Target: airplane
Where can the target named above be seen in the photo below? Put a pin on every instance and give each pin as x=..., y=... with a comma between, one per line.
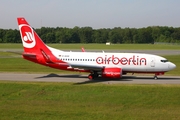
x=105, y=65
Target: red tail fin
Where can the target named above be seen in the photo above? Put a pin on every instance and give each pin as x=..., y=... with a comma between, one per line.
x=31, y=41
x=34, y=48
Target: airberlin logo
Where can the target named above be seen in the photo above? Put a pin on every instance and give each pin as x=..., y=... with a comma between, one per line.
x=27, y=36
x=133, y=60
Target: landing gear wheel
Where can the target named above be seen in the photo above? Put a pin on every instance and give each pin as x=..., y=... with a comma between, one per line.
x=155, y=77
x=93, y=75
x=90, y=76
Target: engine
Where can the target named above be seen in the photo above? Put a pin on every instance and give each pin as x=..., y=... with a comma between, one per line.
x=112, y=73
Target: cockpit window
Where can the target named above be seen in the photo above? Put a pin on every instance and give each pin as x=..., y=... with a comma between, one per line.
x=164, y=61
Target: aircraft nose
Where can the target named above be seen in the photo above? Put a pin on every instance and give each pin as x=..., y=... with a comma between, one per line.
x=171, y=66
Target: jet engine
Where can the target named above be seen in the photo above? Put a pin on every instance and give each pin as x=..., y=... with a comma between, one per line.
x=112, y=73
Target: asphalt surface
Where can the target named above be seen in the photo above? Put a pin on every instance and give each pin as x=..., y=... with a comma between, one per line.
x=82, y=79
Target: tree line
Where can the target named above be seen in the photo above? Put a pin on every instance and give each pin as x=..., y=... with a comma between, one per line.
x=89, y=35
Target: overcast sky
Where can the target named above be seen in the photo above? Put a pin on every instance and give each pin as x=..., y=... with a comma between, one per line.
x=93, y=13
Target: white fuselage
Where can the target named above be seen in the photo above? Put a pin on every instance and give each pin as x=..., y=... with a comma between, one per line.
x=129, y=62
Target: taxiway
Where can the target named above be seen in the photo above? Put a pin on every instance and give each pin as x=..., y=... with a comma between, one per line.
x=82, y=79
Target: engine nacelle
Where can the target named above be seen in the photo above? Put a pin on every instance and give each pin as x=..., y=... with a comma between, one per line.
x=112, y=73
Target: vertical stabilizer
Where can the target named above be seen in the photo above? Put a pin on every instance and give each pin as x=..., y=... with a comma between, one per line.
x=34, y=48
x=32, y=43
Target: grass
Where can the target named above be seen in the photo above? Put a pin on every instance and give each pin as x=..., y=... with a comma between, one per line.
x=101, y=46
x=32, y=100
x=21, y=65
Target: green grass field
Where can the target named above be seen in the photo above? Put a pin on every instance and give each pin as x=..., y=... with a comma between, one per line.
x=101, y=46
x=54, y=101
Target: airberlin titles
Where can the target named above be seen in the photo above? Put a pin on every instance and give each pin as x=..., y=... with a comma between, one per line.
x=134, y=60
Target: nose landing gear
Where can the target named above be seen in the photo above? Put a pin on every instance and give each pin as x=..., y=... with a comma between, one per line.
x=155, y=77
x=158, y=73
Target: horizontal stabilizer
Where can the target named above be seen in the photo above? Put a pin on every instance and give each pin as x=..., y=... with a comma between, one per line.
x=29, y=55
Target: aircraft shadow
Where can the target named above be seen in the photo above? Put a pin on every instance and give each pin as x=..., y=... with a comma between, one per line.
x=99, y=79
x=127, y=78
x=152, y=78
x=56, y=75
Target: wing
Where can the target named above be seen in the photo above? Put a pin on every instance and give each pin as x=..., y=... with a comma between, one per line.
x=90, y=67
x=87, y=67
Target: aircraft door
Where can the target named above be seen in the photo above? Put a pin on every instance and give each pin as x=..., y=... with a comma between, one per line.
x=152, y=62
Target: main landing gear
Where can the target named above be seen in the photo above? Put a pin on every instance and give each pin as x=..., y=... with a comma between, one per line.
x=93, y=75
x=90, y=76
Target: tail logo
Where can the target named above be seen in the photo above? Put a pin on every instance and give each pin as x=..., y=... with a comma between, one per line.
x=27, y=35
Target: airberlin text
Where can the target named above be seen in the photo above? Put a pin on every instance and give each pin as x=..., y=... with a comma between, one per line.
x=134, y=60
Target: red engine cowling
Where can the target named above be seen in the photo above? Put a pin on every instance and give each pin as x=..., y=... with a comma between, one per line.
x=112, y=73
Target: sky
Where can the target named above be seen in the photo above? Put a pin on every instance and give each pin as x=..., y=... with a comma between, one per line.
x=93, y=13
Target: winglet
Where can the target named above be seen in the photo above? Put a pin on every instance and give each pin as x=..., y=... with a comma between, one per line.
x=83, y=50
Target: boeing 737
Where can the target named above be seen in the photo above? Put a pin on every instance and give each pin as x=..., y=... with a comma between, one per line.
x=106, y=65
